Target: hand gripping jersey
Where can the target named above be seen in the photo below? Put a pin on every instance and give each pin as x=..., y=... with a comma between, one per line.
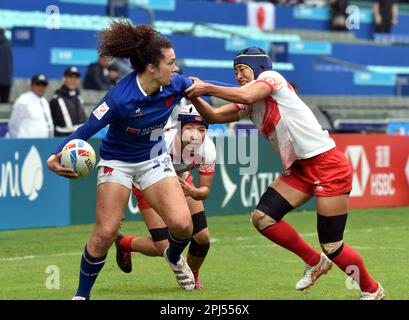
x=203, y=157
x=285, y=120
x=136, y=120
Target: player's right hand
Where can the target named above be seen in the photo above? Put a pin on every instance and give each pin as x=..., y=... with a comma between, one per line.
x=197, y=89
x=53, y=163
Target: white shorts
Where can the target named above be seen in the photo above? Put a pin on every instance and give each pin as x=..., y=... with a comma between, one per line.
x=142, y=174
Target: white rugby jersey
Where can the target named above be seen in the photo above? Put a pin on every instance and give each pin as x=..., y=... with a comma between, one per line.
x=203, y=157
x=285, y=120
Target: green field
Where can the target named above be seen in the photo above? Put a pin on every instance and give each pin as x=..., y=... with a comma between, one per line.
x=241, y=264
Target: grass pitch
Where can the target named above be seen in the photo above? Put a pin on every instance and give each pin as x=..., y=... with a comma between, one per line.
x=241, y=264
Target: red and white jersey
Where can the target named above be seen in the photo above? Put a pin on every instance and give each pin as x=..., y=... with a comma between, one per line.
x=285, y=120
x=202, y=157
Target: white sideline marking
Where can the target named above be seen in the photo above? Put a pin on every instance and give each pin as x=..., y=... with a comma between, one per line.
x=40, y=256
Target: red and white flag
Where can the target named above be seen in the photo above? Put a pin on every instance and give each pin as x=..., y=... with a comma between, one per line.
x=261, y=15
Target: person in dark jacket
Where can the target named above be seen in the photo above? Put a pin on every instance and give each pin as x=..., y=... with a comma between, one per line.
x=385, y=15
x=66, y=106
x=97, y=77
x=6, y=67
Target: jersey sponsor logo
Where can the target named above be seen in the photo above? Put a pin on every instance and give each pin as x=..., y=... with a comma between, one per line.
x=133, y=130
x=100, y=111
x=360, y=167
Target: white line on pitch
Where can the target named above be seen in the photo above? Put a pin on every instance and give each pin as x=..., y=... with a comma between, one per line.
x=40, y=256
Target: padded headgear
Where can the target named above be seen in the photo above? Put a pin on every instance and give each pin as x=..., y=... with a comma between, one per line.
x=189, y=114
x=254, y=58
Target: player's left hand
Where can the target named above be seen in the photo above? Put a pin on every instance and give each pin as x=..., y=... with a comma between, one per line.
x=197, y=89
x=53, y=163
x=188, y=190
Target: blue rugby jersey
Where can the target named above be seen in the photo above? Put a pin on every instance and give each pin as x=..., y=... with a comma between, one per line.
x=132, y=116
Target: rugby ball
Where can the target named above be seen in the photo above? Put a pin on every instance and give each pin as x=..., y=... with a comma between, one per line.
x=78, y=155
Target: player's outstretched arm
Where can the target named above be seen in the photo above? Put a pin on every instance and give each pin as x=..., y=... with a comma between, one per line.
x=53, y=163
x=245, y=95
x=224, y=114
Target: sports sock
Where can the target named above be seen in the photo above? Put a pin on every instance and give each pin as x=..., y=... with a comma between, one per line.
x=348, y=257
x=285, y=236
x=89, y=270
x=176, y=247
x=126, y=243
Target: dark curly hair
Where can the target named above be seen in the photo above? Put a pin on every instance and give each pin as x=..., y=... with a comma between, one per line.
x=142, y=44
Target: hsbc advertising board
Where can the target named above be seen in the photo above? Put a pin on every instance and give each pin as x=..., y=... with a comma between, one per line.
x=380, y=165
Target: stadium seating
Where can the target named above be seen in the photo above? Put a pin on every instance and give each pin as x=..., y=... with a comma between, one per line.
x=205, y=38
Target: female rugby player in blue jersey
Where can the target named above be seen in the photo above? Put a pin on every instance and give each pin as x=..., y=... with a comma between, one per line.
x=190, y=148
x=137, y=109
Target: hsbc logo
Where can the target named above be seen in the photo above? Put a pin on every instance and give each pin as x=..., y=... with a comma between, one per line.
x=361, y=170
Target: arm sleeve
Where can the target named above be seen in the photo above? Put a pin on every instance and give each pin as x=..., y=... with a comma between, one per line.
x=242, y=110
x=181, y=83
x=56, y=114
x=273, y=79
x=106, y=112
x=207, y=168
x=16, y=119
x=218, y=83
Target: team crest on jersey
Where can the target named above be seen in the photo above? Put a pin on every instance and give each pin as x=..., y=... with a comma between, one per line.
x=138, y=112
x=169, y=101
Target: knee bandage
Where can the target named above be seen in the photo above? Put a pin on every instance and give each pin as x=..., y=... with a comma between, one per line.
x=198, y=250
x=159, y=234
x=271, y=209
x=199, y=222
x=331, y=233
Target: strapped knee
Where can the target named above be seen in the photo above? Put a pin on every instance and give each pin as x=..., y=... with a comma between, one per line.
x=199, y=222
x=271, y=209
x=159, y=234
x=198, y=250
x=331, y=234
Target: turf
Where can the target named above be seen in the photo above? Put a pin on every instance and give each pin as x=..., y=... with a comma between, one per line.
x=241, y=264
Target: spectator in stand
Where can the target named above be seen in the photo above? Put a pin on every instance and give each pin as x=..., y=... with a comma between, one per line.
x=97, y=77
x=338, y=14
x=124, y=67
x=6, y=67
x=113, y=74
x=66, y=106
x=385, y=15
x=31, y=116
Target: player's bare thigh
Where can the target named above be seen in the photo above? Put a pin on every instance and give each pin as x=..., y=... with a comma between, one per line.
x=295, y=197
x=168, y=200
x=152, y=219
x=194, y=205
x=332, y=206
x=112, y=199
